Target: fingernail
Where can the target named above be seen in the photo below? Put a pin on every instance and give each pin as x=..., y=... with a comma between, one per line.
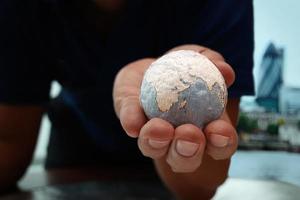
x=132, y=134
x=156, y=144
x=219, y=140
x=186, y=148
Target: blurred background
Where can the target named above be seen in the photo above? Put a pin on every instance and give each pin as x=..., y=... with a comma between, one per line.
x=269, y=124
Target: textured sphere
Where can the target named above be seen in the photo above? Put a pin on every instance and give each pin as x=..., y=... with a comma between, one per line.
x=183, y=87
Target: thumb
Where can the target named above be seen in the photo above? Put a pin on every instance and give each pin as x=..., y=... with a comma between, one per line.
x=126, y=92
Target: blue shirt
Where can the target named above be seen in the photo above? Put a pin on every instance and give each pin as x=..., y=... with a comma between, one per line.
x=83, y=47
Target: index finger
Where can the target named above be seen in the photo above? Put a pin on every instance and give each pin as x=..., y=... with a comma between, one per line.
x=218, y=60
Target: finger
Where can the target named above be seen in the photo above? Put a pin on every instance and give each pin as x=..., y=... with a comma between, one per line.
x=155, y=137
x=211, y=54
x=225, y=69
x=132, y=116
x=221, y=139
x=187, y=148
x=126, y=96
x=128, y=81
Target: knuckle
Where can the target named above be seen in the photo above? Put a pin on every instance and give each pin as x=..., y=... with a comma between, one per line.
x=220, y=153
x=147, y=151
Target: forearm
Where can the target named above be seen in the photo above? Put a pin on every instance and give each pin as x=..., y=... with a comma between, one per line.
x=11, y=169
x=19, y=127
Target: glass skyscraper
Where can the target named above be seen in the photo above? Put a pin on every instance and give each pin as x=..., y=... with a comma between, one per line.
x=269, y=78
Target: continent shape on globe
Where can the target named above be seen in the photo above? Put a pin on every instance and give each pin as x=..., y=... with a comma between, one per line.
x=183, y=87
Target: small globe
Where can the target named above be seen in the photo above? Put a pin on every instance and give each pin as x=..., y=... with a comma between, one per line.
x=183, y=87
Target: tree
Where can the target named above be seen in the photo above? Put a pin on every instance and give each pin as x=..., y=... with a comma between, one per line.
x=246, y=124
x=273, y=129
x=242, y=123
x=281, y=121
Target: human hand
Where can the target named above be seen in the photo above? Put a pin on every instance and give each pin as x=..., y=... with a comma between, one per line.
x=182, y=147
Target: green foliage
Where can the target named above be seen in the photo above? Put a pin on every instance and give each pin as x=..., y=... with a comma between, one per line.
x=298, y=124
x=273, y=129
x=246, y=124
x=242, y=123
x=281, y=121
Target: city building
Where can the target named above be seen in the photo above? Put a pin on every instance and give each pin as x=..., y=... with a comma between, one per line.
x=289, y=101
x=269, y=78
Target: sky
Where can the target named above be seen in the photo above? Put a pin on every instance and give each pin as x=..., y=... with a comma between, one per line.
x=279, y=21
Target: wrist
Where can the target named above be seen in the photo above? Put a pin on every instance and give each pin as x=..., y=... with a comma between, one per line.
x=201, y=184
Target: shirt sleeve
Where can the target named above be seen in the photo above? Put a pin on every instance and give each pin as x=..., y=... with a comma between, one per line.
x=235, y=41
x=24, y=78
x=224, y=26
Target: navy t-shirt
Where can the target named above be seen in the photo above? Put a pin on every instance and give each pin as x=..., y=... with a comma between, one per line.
x=82, y=47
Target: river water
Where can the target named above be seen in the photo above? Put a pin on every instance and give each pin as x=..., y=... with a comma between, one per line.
x=266, y=165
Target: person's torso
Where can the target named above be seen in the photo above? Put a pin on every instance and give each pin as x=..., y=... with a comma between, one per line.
x=88, y=47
